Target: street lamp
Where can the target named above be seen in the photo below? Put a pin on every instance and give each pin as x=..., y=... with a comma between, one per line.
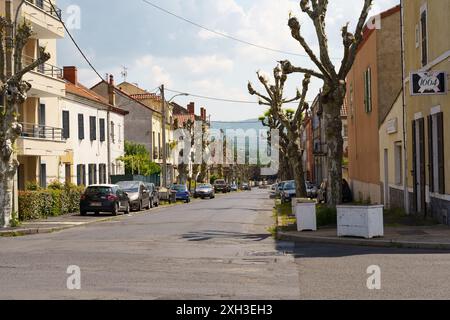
x=163, y=101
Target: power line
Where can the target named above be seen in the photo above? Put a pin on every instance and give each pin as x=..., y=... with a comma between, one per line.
x=74, y=42
x=224, y=34
x=219, y=99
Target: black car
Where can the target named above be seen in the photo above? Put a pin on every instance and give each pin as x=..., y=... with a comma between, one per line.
x=138, y=194
x=246, y=187
x=104, y=198
x=204, y=191
x=221, y=185
x=154, y=194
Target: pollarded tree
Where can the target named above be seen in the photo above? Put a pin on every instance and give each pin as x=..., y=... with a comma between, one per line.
x=334, y=88
x=293, y=125
x=14, y=90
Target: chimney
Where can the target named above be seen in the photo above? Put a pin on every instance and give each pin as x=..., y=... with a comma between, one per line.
x=71, y=74
x=191, y=108
x=111, y=91
x=203, y=114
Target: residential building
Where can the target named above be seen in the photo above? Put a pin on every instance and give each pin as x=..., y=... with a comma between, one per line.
x=93, y=130
x=391, y=151
x=154, y=102
x=426, y=37
x=373, y=84
x=41, y=146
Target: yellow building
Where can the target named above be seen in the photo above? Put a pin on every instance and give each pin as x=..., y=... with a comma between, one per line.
x=42, y=146
x=427, y=66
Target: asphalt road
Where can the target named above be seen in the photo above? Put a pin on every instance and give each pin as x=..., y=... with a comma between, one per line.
x=209, y=249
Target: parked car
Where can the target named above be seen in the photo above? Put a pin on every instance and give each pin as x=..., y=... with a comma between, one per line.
x=104, y=198
x=273, y=191
x=165, y=194
x=347, y=195
x=204, y=191
x=234, y=187
x=221, y=185
x=289, y=191
x=154, y=194
x=311, y=190
x=182, y=194
x=138, y=193
x=246, y=187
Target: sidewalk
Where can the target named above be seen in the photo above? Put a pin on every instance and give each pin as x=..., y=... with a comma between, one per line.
x=53, y=224
x=430, y=237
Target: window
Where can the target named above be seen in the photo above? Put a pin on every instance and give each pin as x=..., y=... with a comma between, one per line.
x=65, y=125
x=80, y=127
x=436, y=153
x=43, y=175
x=102, y=130
x=368, y=90
x=398, y=154
x=424, y=34
x=119, y=135
x=102, y=173
x=93, y=128
x=81, y=175
x=92, y=174
x=113, y=140
x=159, y=146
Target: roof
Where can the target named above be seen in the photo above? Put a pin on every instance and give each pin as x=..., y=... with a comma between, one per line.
x=183, y=118
x=82, y=91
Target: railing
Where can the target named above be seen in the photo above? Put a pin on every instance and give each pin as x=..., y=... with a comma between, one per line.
x=47, y=7
x=45, y=68
x=35, y=131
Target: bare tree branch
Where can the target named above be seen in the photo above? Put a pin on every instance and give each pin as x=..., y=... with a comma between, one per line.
x=3, y=24
x=301, y=107
x=288, y=68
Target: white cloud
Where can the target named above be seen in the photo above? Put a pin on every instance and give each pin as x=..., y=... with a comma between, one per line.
x=208, y=64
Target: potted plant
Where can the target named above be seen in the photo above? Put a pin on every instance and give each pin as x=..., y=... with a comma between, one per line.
x=305, y=212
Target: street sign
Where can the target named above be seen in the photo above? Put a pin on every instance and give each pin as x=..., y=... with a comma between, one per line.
x=428, y=83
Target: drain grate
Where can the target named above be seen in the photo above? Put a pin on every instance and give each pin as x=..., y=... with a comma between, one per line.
x=267, y=254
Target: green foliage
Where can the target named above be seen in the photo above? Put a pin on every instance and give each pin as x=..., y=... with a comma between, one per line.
x=326, y=216
x=32, y=186
x=51, y=202
x=213, y=179
x=56, y=185
x=137, y=160
x=14, y=223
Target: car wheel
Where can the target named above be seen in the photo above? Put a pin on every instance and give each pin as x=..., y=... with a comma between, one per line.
x=140, y=206
x=116, y=209
x=97, y=213
x=127, y=210
x=83, y=213
x=150, y=204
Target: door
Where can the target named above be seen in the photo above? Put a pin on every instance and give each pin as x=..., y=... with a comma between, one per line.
x=41, y=120
x=419, y=166
x=68, y=174
x=386, y=178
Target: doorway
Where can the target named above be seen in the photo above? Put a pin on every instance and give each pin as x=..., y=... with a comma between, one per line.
x=419, y=201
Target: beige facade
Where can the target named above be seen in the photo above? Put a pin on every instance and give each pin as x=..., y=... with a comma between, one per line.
x=41, y=146
x=427, y=48
x=392, y=156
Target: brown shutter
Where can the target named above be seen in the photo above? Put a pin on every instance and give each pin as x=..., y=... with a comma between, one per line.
x=430, y=153
x=414, y=166
x=440, y=137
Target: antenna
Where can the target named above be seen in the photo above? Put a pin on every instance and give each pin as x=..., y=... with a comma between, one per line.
x=124, y=73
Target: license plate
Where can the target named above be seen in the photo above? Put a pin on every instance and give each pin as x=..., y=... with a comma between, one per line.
x=96, y=204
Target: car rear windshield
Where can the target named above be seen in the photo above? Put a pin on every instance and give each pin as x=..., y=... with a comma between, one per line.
x=204, y=186
x=179, y=188
x=129, y=186
x=289, y=186
x=98, y=190
x=220, y=182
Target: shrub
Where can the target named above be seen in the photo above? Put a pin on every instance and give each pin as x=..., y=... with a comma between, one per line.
x=326, y=216
x=52, y=202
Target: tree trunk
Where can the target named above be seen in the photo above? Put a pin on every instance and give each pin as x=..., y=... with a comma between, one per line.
x=332, y=104
x=6, y=198
x=295, y=157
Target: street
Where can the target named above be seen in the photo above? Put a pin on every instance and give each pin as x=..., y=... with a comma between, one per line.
x=209, y=249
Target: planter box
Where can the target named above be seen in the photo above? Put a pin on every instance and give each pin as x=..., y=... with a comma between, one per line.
x=360, y=221
x=305, y=212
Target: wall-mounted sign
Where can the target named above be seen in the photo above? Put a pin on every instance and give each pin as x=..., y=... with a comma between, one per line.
x=392, y=126
x=428, y=83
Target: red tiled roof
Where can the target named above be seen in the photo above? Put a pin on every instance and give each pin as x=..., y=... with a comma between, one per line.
x=82, y=91
x=183, y=118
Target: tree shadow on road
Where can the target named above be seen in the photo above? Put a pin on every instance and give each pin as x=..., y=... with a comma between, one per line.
x=216, y=234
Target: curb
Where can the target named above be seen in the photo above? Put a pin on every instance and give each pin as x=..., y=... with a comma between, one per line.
x=363, y=242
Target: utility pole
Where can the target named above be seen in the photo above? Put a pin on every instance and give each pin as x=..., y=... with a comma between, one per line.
x=164, y=166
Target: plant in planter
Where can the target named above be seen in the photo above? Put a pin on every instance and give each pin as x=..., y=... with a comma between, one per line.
x=364, y=221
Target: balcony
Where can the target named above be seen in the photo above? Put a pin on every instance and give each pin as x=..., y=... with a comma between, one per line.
x=37, y=140
x=46, y=80
x=43, y=18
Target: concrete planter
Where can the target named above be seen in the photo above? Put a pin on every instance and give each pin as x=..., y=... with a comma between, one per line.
x=305, y=212
x=360, y=221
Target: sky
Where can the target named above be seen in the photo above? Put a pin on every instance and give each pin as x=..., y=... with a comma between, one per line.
x=157, y=48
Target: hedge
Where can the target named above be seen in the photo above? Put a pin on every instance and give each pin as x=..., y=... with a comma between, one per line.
x=49, y=203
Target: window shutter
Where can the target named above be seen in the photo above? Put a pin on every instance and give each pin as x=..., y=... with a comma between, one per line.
x=93, y=128
x=430, y=154
x=66, y=125
x=80, y=127
x=102, y=130
x=421, y=123
x=423, y=23
x=440, y=137
x=369, y=90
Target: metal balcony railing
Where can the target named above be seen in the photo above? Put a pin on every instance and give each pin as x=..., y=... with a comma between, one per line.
x=35, y=131
x=46, y=6
x=45, y=68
